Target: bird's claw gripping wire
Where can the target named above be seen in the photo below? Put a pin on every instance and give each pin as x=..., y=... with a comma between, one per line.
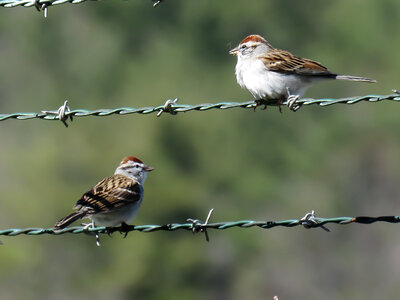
x=198, y=226
x=124, y=229
x=260, y=102
x=264, y=102
x=168, y=107
x=309, y=221
x=61, y=113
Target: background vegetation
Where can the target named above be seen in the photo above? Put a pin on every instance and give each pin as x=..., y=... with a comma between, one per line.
x=339, y=161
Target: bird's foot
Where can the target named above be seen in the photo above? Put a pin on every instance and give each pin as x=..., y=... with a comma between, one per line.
x=260, y=102
x=279, y=103
x=124, y=229
x=109, y=231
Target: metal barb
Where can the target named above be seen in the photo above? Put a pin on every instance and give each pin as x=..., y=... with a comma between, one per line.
x=42, y=6
x=291, y=101
x=96, y=234
x=168, y=107
x=61, y=113
x=309, y=220
x=197, y=226
x=37, y=5
x=156, y=2
x=45, y=9
x=97, y=239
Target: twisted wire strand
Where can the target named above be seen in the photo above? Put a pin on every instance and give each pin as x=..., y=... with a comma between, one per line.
x=174, y=108
x=28, y=3
x=198, y=226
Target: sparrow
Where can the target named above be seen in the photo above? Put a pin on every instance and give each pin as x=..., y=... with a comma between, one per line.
x=269, y=73
x=115, y=200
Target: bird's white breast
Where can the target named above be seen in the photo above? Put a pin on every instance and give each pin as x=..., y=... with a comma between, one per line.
x=117, y=216
x=252, y=74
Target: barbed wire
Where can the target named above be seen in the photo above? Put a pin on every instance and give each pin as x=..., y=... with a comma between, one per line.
x=47, y=3
x=43, y=5
x=194, y=225
x=173, y=108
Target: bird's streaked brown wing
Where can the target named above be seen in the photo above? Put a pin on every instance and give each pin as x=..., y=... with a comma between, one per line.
x=285, y=62
x=112, y=192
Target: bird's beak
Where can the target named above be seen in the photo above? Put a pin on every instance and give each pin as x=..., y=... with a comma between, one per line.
x=234, y=51
x=148, y=168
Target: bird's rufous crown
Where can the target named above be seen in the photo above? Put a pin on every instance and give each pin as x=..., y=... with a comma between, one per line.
x=254, y=38
x=131, y=158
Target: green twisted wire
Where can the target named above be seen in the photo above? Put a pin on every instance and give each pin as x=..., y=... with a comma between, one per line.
x=175, y=108
x=197, y=226
x=28, y=3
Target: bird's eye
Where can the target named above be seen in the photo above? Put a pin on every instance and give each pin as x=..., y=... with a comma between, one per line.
x=243, y=46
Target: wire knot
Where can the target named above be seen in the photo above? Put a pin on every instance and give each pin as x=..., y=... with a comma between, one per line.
x=198, y=226
x=61, y=113
x=309, y=221
x=168, y=107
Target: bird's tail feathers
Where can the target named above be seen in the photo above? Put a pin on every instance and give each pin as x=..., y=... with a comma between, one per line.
x=354, y=78
x=64, y=222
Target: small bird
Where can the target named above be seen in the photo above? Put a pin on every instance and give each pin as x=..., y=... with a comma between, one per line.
x=269, y=73
x=115, y=200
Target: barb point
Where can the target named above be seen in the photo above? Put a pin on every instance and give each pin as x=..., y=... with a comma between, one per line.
x=156, y=2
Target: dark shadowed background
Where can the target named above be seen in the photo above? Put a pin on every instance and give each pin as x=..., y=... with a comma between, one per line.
x=338, y=160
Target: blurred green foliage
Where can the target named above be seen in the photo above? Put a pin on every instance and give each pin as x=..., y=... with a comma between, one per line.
x=338, y=160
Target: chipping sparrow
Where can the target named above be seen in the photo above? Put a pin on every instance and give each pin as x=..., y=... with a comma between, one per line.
x=270, y=73
x=115, y=200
